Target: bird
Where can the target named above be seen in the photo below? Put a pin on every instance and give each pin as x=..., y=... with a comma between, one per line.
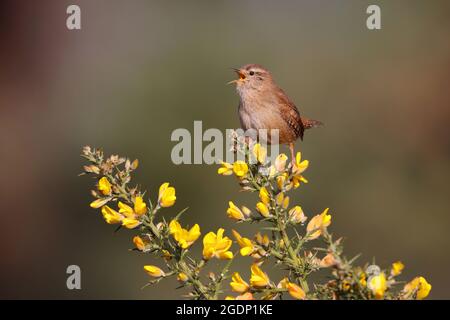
x=264, y=105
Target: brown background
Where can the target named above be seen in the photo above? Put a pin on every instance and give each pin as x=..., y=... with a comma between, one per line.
x=140, y=69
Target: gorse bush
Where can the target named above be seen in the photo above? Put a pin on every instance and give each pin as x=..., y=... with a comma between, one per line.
x=288, y=237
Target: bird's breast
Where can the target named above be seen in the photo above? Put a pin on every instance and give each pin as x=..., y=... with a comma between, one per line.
x=263, y=114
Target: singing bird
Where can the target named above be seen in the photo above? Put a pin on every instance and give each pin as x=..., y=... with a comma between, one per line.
x=264, y=105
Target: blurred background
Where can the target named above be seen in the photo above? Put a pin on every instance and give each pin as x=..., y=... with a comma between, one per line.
x=140, y=69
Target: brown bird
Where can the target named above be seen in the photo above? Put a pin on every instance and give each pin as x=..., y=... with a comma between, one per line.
x=264, y=105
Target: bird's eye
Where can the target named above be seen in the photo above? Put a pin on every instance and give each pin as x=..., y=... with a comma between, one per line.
x=252, y=73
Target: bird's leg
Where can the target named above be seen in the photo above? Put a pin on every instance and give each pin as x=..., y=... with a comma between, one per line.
x=291, y=147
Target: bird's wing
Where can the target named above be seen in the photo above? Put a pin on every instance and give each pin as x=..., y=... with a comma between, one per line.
x=290, y=113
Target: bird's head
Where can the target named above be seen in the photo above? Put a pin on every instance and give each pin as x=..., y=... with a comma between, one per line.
x=251, y=77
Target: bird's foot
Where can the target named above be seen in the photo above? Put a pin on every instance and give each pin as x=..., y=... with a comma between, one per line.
x=291, y=148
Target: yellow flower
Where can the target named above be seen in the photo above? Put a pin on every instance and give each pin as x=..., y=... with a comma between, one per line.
x=397, y=268
x=175, y=227
x=279, y=198
x=346, y=285
x=328, y=261
x=285, y=203
x=296, y=215
x=262, y=209
x=282, y=200
x=264, y=196
x=135, y=164
x=378, y=285
x=226, y=169
x=258, y=278
x=299, y=165
x=240, y=169
x=317, y=224
x=362, y=279
x=99, y=203
x=140, y=207
x=295, y=291
x=283, y=283
x=111, y=216
x=216, y=245
x=130, y=223
x=280, y=162
x=104, y=186
x=126, y=210
x=184, y=237
x=182, y=277
x=297, y=180
x=281, y=180
x=262, y=240
x=245, y=296
x=246, y=244
x=234, y=212
x=246, y=211
x=139, y=243
x=238, y=284
x=260, y=153
x=166, y=196
x=419, y=286
x=131, y=217
x=298, y=168
x=154, y=271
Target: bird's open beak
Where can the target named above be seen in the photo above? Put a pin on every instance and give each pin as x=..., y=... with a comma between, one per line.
x=240, y=74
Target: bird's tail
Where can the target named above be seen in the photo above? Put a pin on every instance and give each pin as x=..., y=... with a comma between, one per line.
x=309, y=123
